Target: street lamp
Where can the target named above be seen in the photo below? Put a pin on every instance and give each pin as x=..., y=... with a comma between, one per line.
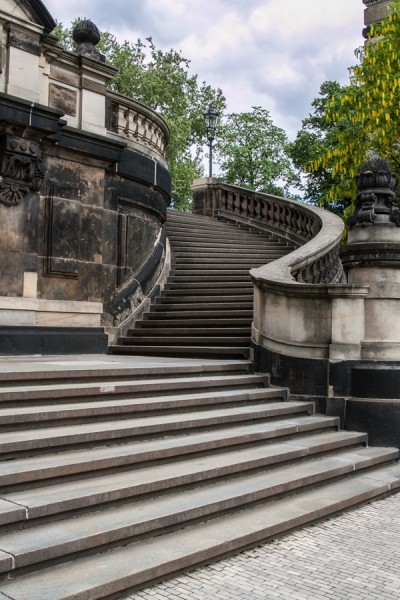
x=210, y=119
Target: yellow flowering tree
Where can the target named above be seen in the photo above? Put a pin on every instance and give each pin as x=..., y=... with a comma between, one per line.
x=367, y=115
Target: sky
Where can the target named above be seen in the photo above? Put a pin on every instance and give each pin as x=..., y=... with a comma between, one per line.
x=269, y=53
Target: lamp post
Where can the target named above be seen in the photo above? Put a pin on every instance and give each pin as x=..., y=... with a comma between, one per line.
x=210, y=119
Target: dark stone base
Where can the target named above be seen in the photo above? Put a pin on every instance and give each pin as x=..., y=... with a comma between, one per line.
x=307, y=379
x=379, y=418
x=17, y=341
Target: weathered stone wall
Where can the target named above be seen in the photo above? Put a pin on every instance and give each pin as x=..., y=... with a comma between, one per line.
x=84, y=184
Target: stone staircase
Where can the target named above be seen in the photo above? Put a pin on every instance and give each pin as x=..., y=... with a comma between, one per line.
x=114, y=477
x=206, y=308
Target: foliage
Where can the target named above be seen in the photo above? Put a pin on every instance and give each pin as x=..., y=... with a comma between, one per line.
x=367, y=115
x=317, y=137
x=251, y=152
x=162, y=80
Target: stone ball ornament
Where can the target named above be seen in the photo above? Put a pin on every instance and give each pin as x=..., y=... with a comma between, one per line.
x=87, y=35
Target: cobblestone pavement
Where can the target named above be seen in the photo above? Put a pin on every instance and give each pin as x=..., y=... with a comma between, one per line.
x=354, y=556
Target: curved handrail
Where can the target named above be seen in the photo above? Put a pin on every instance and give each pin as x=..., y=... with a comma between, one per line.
x=317, y=231
x=317, y=261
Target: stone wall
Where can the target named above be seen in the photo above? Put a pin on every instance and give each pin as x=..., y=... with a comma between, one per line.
x=84, y=183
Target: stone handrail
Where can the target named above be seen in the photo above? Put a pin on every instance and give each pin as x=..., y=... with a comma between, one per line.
x=316, y=231
x=136, y=122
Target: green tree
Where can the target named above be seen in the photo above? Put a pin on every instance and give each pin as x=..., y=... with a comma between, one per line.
x=317, y=137
x=252, y=152
x=162, y=80
x=367, y=116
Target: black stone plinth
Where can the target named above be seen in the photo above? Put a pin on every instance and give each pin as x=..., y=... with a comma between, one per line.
x=379, y=418
x=18, y=341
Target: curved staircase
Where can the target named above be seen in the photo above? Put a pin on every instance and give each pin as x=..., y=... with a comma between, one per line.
x=115, y=475
x=206, y=308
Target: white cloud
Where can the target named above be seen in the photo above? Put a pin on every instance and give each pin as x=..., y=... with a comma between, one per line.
x=266, y=53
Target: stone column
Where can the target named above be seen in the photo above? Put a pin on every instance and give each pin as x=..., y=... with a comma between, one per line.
x=372, y=258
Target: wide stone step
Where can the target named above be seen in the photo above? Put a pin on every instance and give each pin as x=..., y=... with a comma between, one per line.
x=94, y=390
x=183, y=352
x=70, y=463
x=178, y=330
x=17, y=415
x=79, y=374
x=239, y=253
x=238, y=299
x=212, y=271
x=210, y=286
x=162, y=312
x=192, y=323
x=221, y=246
x=76, y=494
x=165, y=424
x=187, y=340
x=215, y=305
x=51, y=541
x=132, y=566
x=182, y=292
x=228, y=260
x=206, y=278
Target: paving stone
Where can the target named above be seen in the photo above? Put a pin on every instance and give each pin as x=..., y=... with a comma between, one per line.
x=354, y=556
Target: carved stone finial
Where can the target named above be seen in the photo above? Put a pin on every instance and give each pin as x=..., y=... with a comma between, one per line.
x=86, y=35
x=376, y=199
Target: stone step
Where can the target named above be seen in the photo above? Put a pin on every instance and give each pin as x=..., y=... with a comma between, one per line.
x=71, y=536
x=221, y=246
x=59, y=497
x=158, y=311
x=59, y=391
x=114, y=372
x=238, y=299
x=186, y=340
x=17, y=415
x=218, y=271
x=26, y=440
x=132, y=566
x=206, y=278
x=200, y=292
x=192, y=323
x=307, y=440
x=201, y=306
x=210, y=253
x=228, y=260
x=210, y=286
x=178, y=330
x=182, y=352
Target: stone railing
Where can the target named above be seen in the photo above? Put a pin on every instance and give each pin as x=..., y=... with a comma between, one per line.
x=304, y=312
x=137, y=123
x=317, y=262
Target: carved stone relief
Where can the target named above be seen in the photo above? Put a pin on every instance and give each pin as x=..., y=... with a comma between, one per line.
x=21, y=169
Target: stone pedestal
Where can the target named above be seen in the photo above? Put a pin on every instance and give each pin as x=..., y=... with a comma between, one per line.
x=372, y=258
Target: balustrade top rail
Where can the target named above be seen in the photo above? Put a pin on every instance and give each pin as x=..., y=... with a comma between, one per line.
x=137, y=122
x=318, y=232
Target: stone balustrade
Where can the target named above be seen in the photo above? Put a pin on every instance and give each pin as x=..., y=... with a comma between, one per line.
x=137, y=123
x=300, y=223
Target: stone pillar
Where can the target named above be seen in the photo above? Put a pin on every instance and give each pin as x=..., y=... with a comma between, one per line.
x=372, y=258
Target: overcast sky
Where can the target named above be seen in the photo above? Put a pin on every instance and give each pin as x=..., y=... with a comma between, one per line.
x=269, y=53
